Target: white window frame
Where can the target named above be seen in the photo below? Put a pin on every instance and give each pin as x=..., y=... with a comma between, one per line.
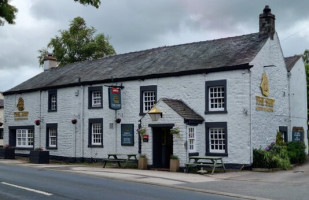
x=216, y=98
x=191, y=130
x=96, y=133
x=53, y=102
x=52, y=134
x=149, y=99
x=217, y=139
x=26, y=137
x=96, y=97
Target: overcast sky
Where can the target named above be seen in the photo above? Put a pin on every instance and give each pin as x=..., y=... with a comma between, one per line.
x=142, y=24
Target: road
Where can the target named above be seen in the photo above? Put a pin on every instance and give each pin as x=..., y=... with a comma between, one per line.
x=19, y=182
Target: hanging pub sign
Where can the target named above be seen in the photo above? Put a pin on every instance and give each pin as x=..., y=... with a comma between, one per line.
x=298, y=134
x=114, y=94
x=127, y=134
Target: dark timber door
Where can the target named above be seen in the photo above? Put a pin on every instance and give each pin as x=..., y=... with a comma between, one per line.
x=162, y=147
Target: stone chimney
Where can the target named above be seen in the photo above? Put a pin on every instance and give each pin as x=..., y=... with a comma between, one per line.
x=50, y=62
x=267, y=22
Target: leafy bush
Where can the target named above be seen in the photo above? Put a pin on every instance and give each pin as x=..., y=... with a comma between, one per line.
x=279, y=139
x=296, y=152
x=273, y=156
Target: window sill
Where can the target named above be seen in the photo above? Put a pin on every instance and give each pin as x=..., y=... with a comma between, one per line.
x=96, y=107
x=216, y=154
x=52, y=110
x=194, y=153
x=95, y=146
x=24, y=148
x=215, y=112
x=51, y=148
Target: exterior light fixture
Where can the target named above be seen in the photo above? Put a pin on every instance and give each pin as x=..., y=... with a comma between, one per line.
x=154, y=113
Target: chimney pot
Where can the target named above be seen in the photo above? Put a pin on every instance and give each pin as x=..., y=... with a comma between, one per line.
x=267, y=22
x=50, y=62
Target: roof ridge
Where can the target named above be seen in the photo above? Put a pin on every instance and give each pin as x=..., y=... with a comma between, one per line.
x=162, y=47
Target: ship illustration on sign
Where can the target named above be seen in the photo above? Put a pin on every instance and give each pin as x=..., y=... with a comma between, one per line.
x=264, y=85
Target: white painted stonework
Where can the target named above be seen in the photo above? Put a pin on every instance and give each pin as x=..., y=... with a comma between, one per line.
x=298, y=93
x=247, y=128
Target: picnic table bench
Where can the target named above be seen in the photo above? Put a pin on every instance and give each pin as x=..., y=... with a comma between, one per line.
x=205, y=161
x=120, y=158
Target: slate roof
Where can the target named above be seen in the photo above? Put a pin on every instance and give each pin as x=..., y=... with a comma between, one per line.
x=189, y=115
x=291, y=61
x=198, y=57
x=1, y=103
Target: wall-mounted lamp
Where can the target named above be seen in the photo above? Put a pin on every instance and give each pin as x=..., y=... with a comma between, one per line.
x=154, y=113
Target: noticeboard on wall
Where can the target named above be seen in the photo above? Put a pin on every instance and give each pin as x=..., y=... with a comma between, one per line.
x=114, y=94
x=127, y=134
x=298, y=134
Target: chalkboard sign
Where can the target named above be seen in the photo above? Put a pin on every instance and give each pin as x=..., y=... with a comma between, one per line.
x=127, y=134
x=114, y=98
x=297, y=134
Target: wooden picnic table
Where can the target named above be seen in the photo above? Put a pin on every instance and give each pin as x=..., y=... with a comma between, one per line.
x=119, y=158
x=205, y=161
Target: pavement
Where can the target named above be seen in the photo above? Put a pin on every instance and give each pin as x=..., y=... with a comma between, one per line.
x=291, y=184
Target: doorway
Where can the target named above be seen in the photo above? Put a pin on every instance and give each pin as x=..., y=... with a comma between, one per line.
x=162, y=147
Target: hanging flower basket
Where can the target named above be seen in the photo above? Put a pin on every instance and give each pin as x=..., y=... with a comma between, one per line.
x=37, y=122
x=74, y=121
x=141, y=131
x=175, y=131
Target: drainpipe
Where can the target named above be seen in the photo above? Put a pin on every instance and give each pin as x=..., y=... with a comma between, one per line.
x=115, y=131
x=75, y=141
x=82, y=119
x=250, y=108
x=186, y=143
x=289, y=101
x=40, y=118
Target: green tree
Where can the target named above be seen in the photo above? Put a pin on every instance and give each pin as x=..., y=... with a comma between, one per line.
x=306, y=56
x=7, y=12
x=95, y=3
x=78, y=43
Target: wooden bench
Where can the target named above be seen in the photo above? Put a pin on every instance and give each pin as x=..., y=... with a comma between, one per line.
x=205, y=161
x=119, y=158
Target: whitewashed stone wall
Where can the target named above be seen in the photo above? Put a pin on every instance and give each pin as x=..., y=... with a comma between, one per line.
x=1, y=119
x=264, y=125
x=73, y=103
x=298, y=98
x=245, y=125
x=1, y=112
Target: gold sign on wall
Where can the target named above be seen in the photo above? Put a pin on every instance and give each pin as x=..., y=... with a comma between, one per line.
x=264, y=85
x=264, y=103
x=21, y=114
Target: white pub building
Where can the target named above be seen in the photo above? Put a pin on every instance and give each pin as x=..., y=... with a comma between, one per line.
x=221, y=97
